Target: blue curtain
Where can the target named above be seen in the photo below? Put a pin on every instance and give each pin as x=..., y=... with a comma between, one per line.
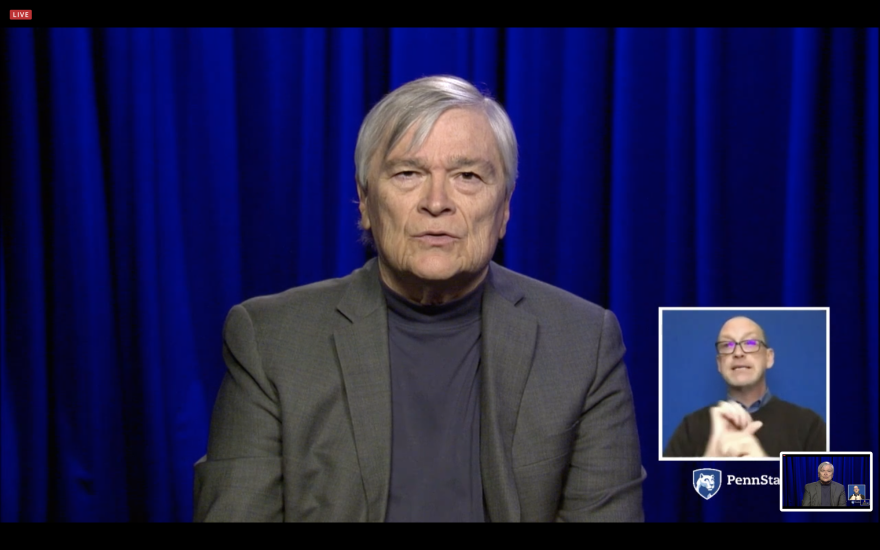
x=153, y=178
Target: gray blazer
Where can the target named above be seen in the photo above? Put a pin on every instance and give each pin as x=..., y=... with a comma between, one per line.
x=813, y=494
x=301, y=429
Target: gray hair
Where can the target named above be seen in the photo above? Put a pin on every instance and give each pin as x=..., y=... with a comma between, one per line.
x=824, y=463
x=420, y=103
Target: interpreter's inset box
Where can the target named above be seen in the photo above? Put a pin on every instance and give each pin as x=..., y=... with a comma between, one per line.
x=826, y=482
x=743, y=383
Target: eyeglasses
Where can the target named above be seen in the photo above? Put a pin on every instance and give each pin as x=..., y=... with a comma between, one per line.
x=748, y=346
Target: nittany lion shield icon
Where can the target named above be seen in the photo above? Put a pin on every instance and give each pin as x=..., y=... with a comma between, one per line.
x=707, y=482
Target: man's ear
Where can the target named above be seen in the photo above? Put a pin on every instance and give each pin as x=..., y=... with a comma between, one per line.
x=771, y=357
x=362, y=207
x=505, y=217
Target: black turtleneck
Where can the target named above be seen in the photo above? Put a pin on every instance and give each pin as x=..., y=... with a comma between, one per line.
x=826, y=493
x=435, y=398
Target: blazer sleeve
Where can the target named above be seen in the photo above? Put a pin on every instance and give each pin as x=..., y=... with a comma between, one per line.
x=241, y=480
x=841, y=497
x=604, y=482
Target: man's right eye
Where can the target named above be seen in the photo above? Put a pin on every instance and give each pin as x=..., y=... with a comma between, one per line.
x=725, y=347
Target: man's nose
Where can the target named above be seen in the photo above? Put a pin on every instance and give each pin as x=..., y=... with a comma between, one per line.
x=436, y=200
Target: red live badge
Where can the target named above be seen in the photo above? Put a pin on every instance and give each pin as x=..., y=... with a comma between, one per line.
x=20, y=14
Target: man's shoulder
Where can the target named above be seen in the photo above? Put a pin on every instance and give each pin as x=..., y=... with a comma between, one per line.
x=698, y=416
x=691, y=436
x=313, y=300
x=817, y=486
x=540, y=298
x=780, y=406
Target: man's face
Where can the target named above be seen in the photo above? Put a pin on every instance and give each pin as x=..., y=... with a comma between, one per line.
x=740, y=369
x=856, y=489
x=437, y=213
x=825, y=473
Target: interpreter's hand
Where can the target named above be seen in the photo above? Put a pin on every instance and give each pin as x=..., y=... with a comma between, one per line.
x=733, y=432
x=743, y=443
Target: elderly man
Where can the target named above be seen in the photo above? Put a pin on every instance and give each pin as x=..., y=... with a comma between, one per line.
x=824, y=492
x=751, y=422
x=431, y=384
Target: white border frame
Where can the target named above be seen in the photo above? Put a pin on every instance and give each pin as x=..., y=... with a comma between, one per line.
x=856, y=509
x=661, y=458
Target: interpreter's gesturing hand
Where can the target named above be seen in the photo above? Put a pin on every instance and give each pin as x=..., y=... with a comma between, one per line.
x=733, y=432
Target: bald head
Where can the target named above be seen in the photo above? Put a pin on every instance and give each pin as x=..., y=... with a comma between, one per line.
x=741, y=326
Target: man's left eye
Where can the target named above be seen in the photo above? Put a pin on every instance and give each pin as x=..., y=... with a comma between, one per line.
x=469, y=176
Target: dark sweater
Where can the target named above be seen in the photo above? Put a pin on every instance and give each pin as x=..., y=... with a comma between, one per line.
x=787, y=428
x=435, y=410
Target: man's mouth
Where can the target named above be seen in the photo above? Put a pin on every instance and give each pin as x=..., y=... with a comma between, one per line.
x=438, y=238
x=741, y=367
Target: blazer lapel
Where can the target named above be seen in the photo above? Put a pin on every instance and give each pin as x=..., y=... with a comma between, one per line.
x=362, y=347
x=508, y=344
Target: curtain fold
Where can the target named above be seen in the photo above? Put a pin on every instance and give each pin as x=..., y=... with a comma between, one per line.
x=868, y=133
x=25, y=391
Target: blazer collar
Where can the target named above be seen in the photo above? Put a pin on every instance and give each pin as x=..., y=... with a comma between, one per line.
x=364, y=295
x=508, y=344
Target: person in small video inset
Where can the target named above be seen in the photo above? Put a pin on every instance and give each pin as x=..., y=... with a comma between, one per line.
x=824, y=492
x=856, y=494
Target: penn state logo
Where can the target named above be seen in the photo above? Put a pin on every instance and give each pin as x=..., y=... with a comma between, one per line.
x=707, y=482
